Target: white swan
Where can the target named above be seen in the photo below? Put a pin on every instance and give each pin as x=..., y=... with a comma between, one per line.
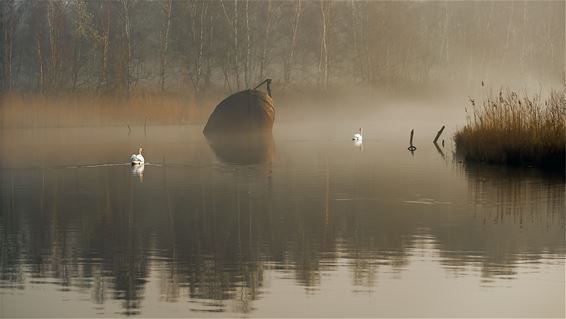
x=137, y=159
x=358, y=136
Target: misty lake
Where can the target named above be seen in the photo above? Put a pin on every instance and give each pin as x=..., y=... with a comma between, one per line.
x=301, y=224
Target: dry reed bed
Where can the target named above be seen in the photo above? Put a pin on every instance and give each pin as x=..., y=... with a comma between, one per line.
x=511, y=129
x=24, y=110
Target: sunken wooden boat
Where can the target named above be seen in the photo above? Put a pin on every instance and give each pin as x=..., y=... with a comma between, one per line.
x=244, y=112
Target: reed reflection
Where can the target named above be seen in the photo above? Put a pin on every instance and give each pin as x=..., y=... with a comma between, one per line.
x=515, y=194
x=518, y=217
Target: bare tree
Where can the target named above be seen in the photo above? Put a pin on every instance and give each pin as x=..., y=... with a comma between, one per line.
x=265, y=40
x=196, y=53
x=79, y=34
x=53, y=65
x=233, y=20
x=165, y=40
x=288, y=65
x=84, y=36
x=3, y=78
x=445, y=38
x=323, y=61
x=248, y=46
x=56, y=28
x=208, y=55
x=201, y=42
x=355, y=32
x=8, y=25
x=125, y=72
x=104, y=43
x=40, y=76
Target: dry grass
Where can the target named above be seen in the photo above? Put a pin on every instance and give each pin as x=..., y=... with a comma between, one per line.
x=516, y=130
x=24, y=110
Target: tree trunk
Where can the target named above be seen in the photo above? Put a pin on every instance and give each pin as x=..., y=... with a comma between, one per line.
x=265, y=41
x=509, y=26
x=8, y=25
x=358, y=69
x=83, y=30
x=40, y=78
x=200, y=57
x=248, y=48
x=3, y=85
x=295, y=28
x=127, y=54
x=103, y=81
x=52, y=68
x=76, y=63
x=236, y=46
x=210, y=41
x=323, y=62
x=164, y=43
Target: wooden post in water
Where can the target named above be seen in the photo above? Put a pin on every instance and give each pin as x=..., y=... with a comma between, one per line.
x=438, y=134
x=439, y=150
x=436, y=144
x=411, y=147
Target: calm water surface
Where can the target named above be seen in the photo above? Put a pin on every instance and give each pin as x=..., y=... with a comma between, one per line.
x=304, y=223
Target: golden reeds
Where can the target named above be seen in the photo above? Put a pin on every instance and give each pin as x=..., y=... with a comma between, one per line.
x=19, y=110
x=512, y=129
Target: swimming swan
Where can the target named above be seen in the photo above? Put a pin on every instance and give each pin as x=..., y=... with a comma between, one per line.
x=358, y=136
x=137, y=159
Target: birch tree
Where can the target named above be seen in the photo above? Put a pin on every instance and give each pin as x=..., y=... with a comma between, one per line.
x=323, y=61
x=233, y=21
x=86, y=40
x=7, y=29
x=166, y=8
x=288, y=65
x=266, y=43
x=196, y=54
x=126, y=54
x=104, y=45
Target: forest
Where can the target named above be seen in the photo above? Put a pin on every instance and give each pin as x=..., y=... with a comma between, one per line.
x=118, y=47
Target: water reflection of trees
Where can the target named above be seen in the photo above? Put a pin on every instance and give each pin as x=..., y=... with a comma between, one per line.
x=213, y=238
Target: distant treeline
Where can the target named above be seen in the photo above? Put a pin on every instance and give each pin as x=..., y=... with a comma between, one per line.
x=113, y=47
